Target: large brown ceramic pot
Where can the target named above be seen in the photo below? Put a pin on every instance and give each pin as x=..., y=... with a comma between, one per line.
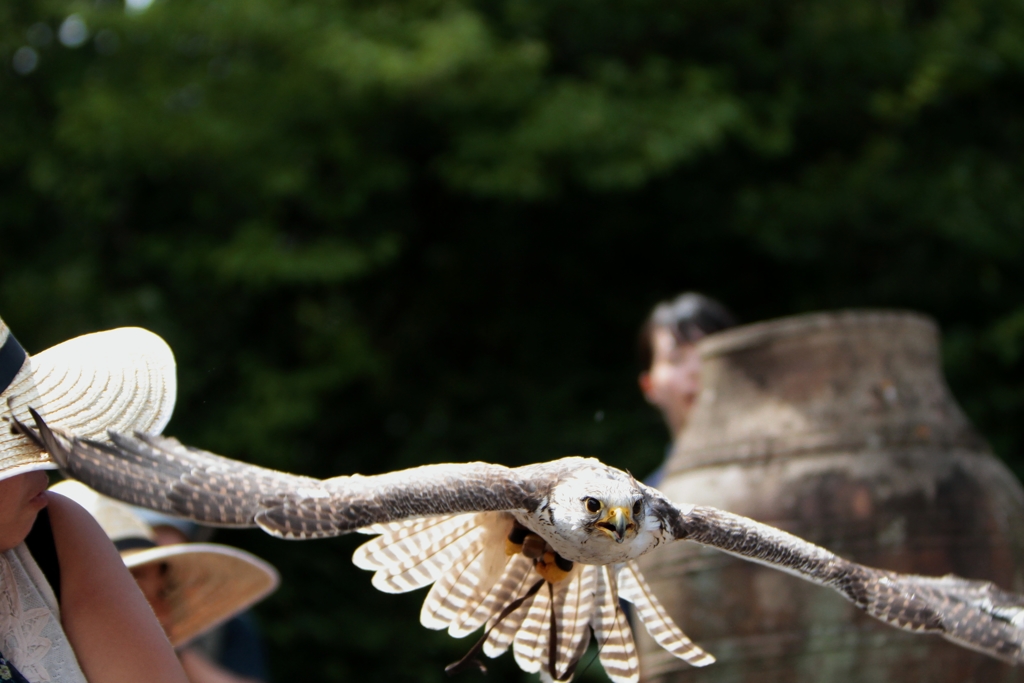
x=838, y=427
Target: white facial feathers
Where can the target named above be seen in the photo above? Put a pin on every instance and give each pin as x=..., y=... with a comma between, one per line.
x=595, y=515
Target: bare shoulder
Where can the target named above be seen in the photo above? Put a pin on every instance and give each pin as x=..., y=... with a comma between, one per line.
x=87, y=557
x=111, y=627
x=74, y=529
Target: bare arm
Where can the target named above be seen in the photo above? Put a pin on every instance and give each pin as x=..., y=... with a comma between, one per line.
x=111, y=627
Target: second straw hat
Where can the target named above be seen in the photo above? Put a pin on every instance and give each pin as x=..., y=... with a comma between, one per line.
x=207, y=584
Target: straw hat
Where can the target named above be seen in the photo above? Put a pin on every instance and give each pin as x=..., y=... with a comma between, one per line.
x=207, y=583
x=121, y=379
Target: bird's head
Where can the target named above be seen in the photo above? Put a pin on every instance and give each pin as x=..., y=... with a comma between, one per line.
x=600, y=509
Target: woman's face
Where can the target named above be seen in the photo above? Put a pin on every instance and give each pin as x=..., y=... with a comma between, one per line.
x=152, y=579
x=673, y=381
x=21, y=498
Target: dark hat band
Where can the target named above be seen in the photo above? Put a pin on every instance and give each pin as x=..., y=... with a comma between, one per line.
x=12, y=357
x=133, y=543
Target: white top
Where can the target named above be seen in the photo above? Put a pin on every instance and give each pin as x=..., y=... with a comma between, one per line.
x=31, y=637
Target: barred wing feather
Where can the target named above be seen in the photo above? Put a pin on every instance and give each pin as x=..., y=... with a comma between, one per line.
x=531, y=638
x=469, y=581
x=514, y=583
x=453, y=590
x=617, y=651
x=421, y=558
x=500, y=575
x=633, y=588
x=574, y=606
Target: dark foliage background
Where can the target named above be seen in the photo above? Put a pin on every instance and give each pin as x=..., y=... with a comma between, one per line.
x=379, y=234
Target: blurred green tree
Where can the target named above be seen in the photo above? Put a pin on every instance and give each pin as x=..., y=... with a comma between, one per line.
x=385, y=233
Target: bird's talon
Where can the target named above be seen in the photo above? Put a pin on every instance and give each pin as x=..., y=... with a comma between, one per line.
x=534, y=546
x=553, y=567
x=516, y=537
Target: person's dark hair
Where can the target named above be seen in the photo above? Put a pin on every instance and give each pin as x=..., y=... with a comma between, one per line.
x=688, y=317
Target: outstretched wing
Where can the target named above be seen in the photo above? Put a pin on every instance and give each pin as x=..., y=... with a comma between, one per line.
x=346, y=504
x=163, y=474
x=974, y=614
x=160, y=473
x=984, y=595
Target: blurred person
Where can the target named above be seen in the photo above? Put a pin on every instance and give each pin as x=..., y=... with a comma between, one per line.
x=69, y=609
x=670, y=364
x=232, y=652
x=193, y=588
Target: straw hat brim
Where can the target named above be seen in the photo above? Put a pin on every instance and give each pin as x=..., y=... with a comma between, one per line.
x=121, y=379
x=207, y=584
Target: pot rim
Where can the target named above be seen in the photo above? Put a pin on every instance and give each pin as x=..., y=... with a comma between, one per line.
x=767, y=331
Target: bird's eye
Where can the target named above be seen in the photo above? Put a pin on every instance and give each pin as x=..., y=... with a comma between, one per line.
x=593, y=504
x=637, y=506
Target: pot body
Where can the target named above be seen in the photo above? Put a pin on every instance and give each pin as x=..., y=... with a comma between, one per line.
x=839, y=428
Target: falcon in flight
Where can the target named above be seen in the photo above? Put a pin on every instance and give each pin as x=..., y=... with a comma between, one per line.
x=539, y=556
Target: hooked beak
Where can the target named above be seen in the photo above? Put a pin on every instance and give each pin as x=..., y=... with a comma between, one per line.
x=616, y=522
